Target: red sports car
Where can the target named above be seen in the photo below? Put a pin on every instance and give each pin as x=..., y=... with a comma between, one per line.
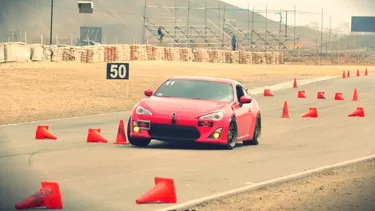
x=196, y=109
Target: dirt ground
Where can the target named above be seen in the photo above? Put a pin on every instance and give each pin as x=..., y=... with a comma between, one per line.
x=346, y=189
x=36, y=91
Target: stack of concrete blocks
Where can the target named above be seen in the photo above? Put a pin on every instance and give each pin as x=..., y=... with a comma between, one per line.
x=201, y=55
x=246, y=57
x=186, y=54
x=21, y=52
x=235, y=57
x=158, y=53
x=216, y=56
x=123, y=53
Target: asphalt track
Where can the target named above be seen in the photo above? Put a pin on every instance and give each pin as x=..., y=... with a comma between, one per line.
x=111, y=177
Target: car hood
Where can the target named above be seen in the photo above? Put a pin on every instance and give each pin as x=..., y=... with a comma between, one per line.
x=165, y=106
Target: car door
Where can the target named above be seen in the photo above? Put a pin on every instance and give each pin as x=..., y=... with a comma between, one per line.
x=243, y=113
x=249, y=117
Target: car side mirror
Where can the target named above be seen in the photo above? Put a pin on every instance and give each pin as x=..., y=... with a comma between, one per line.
x=245, y=99
x=148, y=92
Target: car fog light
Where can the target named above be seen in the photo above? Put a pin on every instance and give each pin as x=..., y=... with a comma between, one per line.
x=216, y=135
x=136, y=129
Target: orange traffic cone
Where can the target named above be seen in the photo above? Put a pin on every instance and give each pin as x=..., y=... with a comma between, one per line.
x=359, y=112
x=348, y=75
x=358, y=73
x=285, y=113
x=355, y=95
x=267, y=93
x=295, y=83
x=366, y=73
x=301, y=94
x=49, y=196
x=338, y=96
x=42, y=132
x=343, y=74
x=95, y=136
x=121, y=137
x=320, y=95
x=163, y=192
x=313, y=113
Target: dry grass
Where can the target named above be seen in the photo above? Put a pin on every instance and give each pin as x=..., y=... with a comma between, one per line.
x=34, y=91
x=344, y=188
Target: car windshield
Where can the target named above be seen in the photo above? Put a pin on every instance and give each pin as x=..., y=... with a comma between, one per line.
x=196, y=89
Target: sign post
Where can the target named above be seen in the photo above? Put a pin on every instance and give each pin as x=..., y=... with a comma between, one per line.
x=119, y=71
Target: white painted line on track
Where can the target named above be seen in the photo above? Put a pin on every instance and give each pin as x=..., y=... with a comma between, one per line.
x=268, y=182
x=63, y=118
x=287, y=85
x=255, y=91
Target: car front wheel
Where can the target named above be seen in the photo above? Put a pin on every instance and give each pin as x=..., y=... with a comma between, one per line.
x=139, y=142
x=232, y=135
x=257, y=132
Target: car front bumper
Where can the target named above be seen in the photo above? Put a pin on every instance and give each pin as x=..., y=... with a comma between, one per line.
x=184, y=129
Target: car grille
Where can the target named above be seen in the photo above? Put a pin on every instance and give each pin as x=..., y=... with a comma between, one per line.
x=174, y=132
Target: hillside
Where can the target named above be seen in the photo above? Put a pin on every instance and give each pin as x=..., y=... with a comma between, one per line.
x=121, y=20
x=352, y=42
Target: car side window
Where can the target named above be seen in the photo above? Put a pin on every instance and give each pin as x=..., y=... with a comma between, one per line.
x=245, y=92
x=240, y=92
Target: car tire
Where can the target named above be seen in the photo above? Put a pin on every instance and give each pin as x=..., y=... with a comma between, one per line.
x=232, y=135
x=257, y=133
x=139, y=142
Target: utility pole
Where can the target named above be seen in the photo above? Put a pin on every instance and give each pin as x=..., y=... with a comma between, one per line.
x=330, y=32
x=50, y=30
x=51, y=26
x=321, y=37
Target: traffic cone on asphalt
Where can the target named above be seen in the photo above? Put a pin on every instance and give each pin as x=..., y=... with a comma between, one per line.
x=358, y=74
x=338, y=96
x=320, y=95
x=359, y=112
x=48, y=196
x=312, y=113
x=348, y=75
x=95, y=136
x=163, y=192
x=285, y=113
x=121, y=137
x=295, y=83
x=366, y=73
x=42, y=132
x=343, y=74
x=267, y=93
x=301, y=94
x=355, y=95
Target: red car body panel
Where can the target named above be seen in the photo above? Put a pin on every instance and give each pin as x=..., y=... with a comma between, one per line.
x=187, y=120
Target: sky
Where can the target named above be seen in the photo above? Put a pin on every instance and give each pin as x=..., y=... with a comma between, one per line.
x=339, y=10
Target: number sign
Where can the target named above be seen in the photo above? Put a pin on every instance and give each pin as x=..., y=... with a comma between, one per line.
x=118, y=71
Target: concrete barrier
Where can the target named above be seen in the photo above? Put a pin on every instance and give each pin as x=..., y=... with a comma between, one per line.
x=17, y=52
x=22, y=52
x=2, y=53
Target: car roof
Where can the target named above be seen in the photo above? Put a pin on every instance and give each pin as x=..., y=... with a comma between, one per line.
x=203, y=78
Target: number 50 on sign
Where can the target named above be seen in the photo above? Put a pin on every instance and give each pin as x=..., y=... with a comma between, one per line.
x=118, y=71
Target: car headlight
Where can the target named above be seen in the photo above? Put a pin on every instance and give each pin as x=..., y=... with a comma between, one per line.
x=142, y=111
x=213, y=116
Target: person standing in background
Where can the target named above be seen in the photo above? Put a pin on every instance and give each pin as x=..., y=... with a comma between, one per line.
x=234, y=43
x=160, y=32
